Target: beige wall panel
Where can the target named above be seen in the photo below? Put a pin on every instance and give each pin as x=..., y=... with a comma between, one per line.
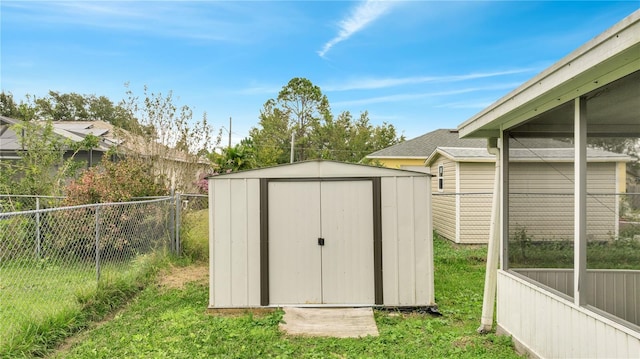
x=294, y=227
x=239, y=246
x=347, y=256
x=423, y=234
x=475, y=217
x=390, y=259
x=407, y=242
x=253, y=241
x=444, y=202
x=477, y=177
x=222, y=246
x=547, y=212
x=444, y=215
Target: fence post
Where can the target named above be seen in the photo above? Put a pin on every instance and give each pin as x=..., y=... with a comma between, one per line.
x=172, y=220
x=38, y=237
x=178, y=222
x=97, y=244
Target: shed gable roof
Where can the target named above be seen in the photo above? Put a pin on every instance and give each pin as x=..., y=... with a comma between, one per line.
x=321, y=169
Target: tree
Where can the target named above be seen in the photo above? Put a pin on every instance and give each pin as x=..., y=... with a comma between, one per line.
x=301, y=109
x=168, y=138
x=300, y=105
x=272, y=139
x=237, y=158
x=25, y=111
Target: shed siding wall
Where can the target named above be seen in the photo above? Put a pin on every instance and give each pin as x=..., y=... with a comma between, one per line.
x=444, y=203
x=541, y=200
x=235, y=249
x=407, y=252
x=553, y=327
x=476, y=187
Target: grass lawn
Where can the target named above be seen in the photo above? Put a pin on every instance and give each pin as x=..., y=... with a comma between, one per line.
x=167, y=322
x=43, y=302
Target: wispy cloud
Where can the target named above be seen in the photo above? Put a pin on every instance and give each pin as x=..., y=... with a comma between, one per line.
x=204, y=20
x=423, y=95
x=378, y=83
x=361, y=16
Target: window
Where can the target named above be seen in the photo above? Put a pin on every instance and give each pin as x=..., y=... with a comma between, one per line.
x=440, y=178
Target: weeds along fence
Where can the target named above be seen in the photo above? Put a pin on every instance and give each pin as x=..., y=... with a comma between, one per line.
x=185, y=205
x=49, y=257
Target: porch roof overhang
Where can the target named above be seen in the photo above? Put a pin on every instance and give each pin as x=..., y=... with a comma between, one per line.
x=588, y=71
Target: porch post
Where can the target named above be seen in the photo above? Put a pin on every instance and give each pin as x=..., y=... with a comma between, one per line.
x=580, y=202
x=493, y=250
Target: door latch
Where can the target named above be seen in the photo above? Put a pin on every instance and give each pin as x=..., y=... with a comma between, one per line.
x=321, y=241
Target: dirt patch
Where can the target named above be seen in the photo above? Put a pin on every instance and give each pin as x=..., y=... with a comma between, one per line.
x=177, y=277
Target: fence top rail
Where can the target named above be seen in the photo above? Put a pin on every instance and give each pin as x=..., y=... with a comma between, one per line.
x=29, y=196
x=97, y=205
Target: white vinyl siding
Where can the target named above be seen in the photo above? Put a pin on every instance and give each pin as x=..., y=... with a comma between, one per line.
x=553, y=327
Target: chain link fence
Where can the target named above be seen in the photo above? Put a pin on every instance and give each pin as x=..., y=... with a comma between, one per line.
x=16, y=203
x=191, y=209
x=49, y=257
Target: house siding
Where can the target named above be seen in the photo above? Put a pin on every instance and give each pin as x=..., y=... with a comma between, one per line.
x=400, y=162
x=444, y=203
x=541, y=200
x=476, y=186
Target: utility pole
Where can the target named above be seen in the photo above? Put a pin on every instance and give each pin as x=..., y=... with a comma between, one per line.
x=229, y=132
x=293, y=137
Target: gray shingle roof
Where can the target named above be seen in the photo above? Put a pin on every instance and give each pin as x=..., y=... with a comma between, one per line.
x=424, y=145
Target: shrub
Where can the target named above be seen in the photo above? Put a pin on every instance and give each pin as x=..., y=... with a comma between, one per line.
x=115, y=181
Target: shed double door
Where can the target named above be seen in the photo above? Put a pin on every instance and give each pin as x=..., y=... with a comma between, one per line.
x=321, y=242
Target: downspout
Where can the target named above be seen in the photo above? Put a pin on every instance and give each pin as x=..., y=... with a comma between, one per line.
x=493, y=250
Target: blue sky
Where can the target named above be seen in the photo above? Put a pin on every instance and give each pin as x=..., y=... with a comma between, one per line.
x=419, y=65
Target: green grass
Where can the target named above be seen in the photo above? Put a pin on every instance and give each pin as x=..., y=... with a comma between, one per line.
x=194, y=235
x=46, y=303
x=173, y=323
x=618, y=254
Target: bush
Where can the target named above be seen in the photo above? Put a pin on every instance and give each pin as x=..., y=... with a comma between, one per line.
x=115, y=181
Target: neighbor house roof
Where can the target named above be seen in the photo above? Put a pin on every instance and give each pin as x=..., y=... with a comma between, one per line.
x=424, y=146
x=9, y=140
x=556, y=154
x=421, y=147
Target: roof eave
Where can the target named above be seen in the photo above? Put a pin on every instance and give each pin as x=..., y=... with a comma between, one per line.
x=607, y=57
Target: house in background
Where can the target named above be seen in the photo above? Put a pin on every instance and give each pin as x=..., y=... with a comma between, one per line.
x=592, y=308
x=10, y=144
x=412, y=154
x=463, y=181
x=179, y=169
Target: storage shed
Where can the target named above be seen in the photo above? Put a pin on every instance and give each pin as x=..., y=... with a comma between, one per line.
x=320, y=233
